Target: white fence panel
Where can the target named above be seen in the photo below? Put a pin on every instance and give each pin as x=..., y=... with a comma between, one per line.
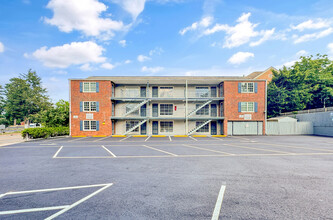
x=289, y=128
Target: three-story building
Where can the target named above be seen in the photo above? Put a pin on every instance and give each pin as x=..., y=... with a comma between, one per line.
x=103, y=106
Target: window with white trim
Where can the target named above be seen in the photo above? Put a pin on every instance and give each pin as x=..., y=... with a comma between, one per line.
x=89, y=106
x=131, y=124
x=247, y=106
x=89, y=125
x=89, y=86
x=204, y=128
x=129, y=107
x=166, y=126
x=166, y=109
x=166, y=91
x=201, y=92
x=203, y=111
x=247, y=87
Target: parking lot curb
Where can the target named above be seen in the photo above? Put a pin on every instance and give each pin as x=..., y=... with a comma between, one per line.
x=180, y=135
x=219, y=135
x=79, y=136
x=158, y=135
x=139, y=136
x=99, y=136
x=199, y=135
x=36, y=139
x=118, y=136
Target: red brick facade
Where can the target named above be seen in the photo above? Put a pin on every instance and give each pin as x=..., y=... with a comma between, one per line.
x=103, y=115
x=232, y=97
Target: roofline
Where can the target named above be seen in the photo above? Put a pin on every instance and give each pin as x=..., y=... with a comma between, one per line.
x=271, y=67
x=239, y=79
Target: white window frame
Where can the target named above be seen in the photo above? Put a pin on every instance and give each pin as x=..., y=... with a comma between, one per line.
x=89, y=89
x=198, y=113
x=202, y=131
x=133, y=88
x=90, y=125
x=198, y=95
x=247, y=106
x=245, y=87
x=132, y=122
x=159, y=109
x=89, y=106
x=166, y=132
x=160, y=93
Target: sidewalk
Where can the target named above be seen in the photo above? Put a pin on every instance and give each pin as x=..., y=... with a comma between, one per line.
x=7, y=139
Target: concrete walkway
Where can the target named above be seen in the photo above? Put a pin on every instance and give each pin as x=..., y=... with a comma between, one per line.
x=7, y=139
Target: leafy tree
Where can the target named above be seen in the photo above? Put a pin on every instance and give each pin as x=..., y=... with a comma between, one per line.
x=55, y=116
x=25, y=96
x=305, y=85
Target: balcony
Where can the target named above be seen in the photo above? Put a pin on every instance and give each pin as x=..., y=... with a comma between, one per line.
x=140, y=112
x=177, y=95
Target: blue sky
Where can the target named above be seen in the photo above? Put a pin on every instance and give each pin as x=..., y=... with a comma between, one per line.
x=62, y=39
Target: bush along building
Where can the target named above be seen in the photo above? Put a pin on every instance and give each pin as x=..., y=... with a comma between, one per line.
x=104, y=106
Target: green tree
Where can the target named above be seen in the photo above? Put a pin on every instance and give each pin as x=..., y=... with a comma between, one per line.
x=56, y=116
x=25, y=96
x=305, y=85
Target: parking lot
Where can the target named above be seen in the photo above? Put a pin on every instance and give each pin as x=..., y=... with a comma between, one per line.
x=253, y=177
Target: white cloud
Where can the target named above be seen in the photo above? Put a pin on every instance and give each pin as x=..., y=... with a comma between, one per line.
x=70, y=54
x=301, y=53
x=86, y=67
x=241, y=33
x=152, y=69
x=122, y=43
x=240, y=57
x=157, y=51
x=143, y=58
x=330, y=47
x=108, y=66
x=2, y=47
x=83, y=15
x=134, y=7
x=203, y=23
x=127, y=61
x=54, y=79
x=313, y=36
x=310, y=24
x=266, y=35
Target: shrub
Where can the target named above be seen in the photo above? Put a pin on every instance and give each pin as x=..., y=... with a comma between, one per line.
x=45, y=132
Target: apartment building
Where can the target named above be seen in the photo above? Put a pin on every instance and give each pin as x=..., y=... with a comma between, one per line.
x=185, y=105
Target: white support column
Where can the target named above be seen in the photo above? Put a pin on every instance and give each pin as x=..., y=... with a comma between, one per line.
x=186, y=109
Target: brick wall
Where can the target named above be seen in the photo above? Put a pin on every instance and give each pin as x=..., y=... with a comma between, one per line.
x=268, y=75
x=232, y=98
x=103, y=116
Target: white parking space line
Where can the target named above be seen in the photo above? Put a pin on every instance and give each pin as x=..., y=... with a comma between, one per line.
x=206, y=149
x=110, y=152
x=220, y=139
x=101, y=139
x=124, y=138
x=54, y=189
x=192, y=138
x=76, y=139
x=297, y=147
x=259, y=149
x=147, y=138
x=160, y=150
x=56, y=154
x=170, y=138
x=218, y=204
x=32, y=210
x=78, y=202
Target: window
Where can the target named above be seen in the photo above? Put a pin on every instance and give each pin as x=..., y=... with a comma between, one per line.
x=205, y=128
x=166, y=126
x=247, y=106
x=89, y=86
x=131, y=124
x=89, y=125
x=132, y=92
x=89, y=106
x=129, y=107
x=202, y=92
x=166, y=91
x=203, y=111
x=166, y=109
x=247, y=87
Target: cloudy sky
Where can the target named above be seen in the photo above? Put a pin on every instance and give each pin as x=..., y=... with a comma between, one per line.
x=62, y=39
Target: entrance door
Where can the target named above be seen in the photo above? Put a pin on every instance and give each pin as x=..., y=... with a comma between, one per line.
x=213, y=128
x=143, y=110
x=155, y=127
x=144, y=128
